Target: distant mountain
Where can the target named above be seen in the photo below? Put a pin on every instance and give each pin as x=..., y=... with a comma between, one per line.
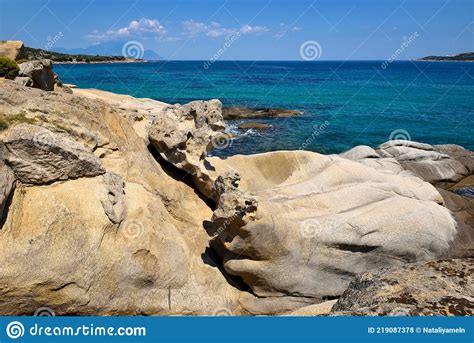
x=108, y=49
x=466, y=56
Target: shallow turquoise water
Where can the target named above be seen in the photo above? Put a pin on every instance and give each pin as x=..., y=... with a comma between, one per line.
x=344, y=103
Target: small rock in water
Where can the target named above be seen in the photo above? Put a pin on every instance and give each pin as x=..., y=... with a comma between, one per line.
x=258, y=126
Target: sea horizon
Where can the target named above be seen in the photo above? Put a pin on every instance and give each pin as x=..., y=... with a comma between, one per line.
x=426, y=101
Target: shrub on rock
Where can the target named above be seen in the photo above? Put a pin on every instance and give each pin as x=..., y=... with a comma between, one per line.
x=8, y=68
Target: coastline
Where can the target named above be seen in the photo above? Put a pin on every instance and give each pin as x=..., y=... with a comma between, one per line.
x=101, y=62
x=421, y=60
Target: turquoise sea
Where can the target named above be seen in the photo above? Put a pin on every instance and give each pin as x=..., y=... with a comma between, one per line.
x=344, y=103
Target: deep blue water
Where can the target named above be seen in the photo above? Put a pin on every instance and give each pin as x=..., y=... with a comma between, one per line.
x=344, y=103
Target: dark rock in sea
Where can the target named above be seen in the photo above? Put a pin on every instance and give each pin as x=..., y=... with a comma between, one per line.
x=257, y=126
x=243, y=112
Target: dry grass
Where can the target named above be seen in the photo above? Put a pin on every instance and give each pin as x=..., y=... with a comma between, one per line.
x=17, y=118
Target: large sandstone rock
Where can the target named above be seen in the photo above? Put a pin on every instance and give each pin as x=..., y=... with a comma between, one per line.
x=41, y=72
x=39, y=156
x=434, y=288
x=13, y=49
x=183, y=135
x=321, y=220
x=127, y=242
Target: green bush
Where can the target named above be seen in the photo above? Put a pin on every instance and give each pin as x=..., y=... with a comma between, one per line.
x=8, y=68
x=23, y=60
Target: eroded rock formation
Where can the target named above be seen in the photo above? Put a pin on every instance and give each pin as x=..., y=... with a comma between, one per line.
x=321, y=220
x=40, y=72
x=105, y=211
x=183, y=135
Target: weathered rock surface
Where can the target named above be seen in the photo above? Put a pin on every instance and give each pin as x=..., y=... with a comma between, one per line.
x=320, y=309
x=114, y=205
x=183, y=135
x=7, y=184
x=40, y=71
x=434, y=288
x=39, y=156
x=13, y=49
x=449, y=167
x=243, y=112
x=434, y=164
x=321, y=220
x=24, y=81
x=462, y=209
x=127, y=242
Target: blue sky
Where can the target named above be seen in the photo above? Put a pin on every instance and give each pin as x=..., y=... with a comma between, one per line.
x=262, y=29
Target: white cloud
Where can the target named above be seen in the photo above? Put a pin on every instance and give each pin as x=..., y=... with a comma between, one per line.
x=136, y=28
x=214, y=29
x=284, y=29
x=247, y=29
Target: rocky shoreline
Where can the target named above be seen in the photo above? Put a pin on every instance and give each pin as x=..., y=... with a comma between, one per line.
x=111, y=206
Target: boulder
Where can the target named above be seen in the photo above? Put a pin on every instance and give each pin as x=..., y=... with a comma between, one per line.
x=128, y=241
x=360, y=152
x=321, y=220
x=434, y=164
x=183, y=135
x=39, y=156
x=41, y=72
x=434, y=288
x=13, y=49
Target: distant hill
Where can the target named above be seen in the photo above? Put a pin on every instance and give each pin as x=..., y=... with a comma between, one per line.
x=467, y=56
x=108, y=49
x=32, y=54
